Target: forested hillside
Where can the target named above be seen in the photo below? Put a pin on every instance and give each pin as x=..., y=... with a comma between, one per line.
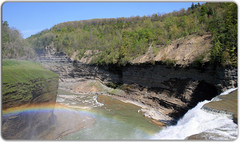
x=118, y=41
x=13, y=44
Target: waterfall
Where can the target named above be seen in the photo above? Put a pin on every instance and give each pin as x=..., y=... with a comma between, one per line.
x=197, y=120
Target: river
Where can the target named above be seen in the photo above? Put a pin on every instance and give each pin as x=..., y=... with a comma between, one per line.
x=101, y=117
x=114, y=119
x=199, y=123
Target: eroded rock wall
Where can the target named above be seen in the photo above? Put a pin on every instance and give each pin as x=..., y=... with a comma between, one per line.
x=226, y=78
x=36, y=91
x=22, y=120
x=170, y=90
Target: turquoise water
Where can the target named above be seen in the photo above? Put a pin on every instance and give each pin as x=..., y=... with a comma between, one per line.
x=114, y=119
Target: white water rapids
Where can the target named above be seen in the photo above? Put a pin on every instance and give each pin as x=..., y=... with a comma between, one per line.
x=196, y=120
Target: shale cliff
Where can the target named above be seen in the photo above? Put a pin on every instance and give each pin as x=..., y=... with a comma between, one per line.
x=171, y=90
x=26, y=84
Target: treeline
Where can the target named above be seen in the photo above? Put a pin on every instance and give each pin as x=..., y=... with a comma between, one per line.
x=120, y=40
x=224, y=28
x=13, y=44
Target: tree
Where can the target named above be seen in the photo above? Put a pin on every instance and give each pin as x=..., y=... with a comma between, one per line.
x=203, y=10
x=192, y=6
x=216, y=53
x=131, y=37
x=13, y=44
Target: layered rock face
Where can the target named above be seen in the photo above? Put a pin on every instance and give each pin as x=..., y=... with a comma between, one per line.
x=170, y=90
x=226, y=78
x=20, y=124
x=41, y=90
x=32, y=125
x=26, y=126
x=227, y=104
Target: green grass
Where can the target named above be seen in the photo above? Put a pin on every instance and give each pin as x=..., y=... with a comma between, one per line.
x=22, y=71
x=23, y=81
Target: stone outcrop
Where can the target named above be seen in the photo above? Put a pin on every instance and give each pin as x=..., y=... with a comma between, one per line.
x=20, y=96
x=41, y=91
x=228, y=104
x=171, y=90
x=49, y=54
x=43, y=124
x=226, y=78
x=25, y=126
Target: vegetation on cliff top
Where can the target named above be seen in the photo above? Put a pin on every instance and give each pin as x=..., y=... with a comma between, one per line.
x=22, y=81
x=118, y=41
x=13, y=44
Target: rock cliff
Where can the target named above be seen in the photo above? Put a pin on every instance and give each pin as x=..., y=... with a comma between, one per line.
x=38, y=90
x=26, y=84
x=170, y=90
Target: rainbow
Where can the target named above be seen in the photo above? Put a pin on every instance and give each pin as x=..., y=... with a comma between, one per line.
x=51, y=107
x=35, y=107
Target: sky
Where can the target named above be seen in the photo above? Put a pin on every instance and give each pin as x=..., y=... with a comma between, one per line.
x=33, y=17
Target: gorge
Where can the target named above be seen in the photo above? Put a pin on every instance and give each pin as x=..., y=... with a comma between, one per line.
x=167, y=76
x=169, y=90
x=164, y=92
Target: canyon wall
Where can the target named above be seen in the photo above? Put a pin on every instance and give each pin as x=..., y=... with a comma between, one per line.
x=171, y=90
x=19, y=119
x=37, y=91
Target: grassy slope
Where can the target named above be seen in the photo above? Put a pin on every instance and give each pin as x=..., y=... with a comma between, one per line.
x=24, y=81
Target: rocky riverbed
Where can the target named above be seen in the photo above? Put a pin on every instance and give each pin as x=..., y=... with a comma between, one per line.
x=199, y=124
x=226, y=104
x=170, y=91
x=96, y=87
x=165, y=93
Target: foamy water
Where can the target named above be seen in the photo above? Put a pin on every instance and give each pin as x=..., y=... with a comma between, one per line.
x=197, y=120
x=121, y=120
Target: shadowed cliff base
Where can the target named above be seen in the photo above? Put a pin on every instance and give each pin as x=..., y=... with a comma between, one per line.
x=170, y=86
x=175, y=102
